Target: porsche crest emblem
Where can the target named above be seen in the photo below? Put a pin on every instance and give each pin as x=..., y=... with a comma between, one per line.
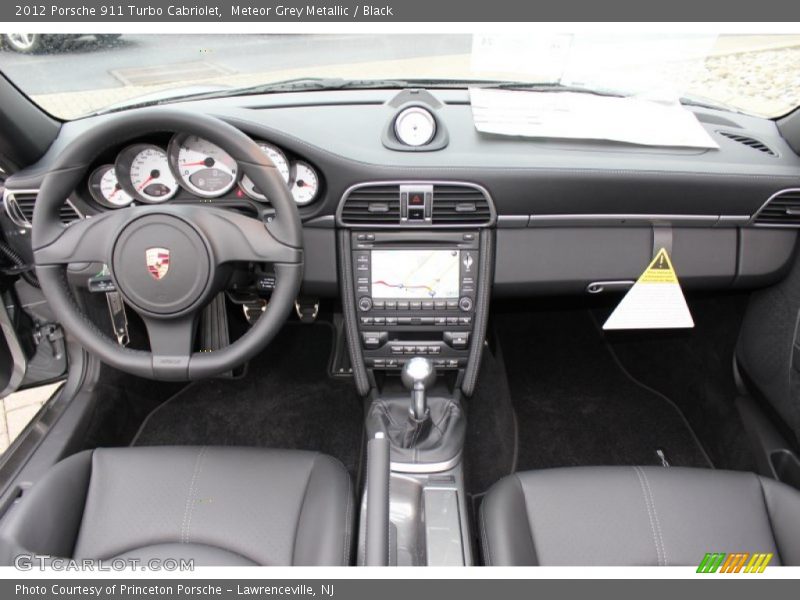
x=157, y=260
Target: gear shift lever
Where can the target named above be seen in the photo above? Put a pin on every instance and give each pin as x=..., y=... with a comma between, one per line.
x=418, y=375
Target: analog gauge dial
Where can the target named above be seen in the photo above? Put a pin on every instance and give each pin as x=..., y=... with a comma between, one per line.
x=143, y=171
x=278, y=158
x=106, y=189
x=304, y=183
x=415, y=126
x=203, y=168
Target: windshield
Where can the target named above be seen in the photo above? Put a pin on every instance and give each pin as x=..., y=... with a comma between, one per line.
x=75, y=75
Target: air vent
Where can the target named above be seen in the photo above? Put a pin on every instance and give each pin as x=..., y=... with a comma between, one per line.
x=19, y=208
x=748, y=141
x=782, y=210
x=379, y=204
x=460, y=204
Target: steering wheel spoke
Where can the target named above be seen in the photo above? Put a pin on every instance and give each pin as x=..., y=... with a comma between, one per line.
x=237, y=238
x=171, y=345
x=84, y=241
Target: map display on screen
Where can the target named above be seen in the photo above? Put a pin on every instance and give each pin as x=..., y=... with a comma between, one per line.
x=415, y=273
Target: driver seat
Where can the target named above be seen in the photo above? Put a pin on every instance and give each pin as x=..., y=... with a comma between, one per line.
x=220, y=506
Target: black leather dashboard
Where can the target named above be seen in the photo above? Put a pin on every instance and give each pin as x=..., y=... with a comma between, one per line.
x=569, y=212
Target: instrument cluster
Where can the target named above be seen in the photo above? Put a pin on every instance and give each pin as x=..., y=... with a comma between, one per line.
x=150, y=174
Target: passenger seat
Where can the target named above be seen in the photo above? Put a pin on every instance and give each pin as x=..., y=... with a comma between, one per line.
x=637, y=516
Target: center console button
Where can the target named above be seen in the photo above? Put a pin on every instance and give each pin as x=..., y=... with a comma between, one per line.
x=456, y=339
x=440, y=320
x=391, y=320
x=391, y=305
x=465, y=303
x=379, y=320
x=404, y=320
x=440, y=305
x=378, y=304
x=452, y=304
x=402, y=305
x=426, y=321
x=366, y=320
x=364, y=303
x=374, y=339
x=427, y=305
x=415, y=305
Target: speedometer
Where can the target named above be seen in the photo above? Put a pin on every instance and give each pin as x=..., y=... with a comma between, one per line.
x=203, y=168
x=106, y=189
x=281, y=163
x=143, y=172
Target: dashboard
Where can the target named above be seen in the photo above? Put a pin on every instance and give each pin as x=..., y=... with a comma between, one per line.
x=568, y=216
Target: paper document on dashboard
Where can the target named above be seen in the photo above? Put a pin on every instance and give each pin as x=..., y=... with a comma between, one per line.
x=577, y=115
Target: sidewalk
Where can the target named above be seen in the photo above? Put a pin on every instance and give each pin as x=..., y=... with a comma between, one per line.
x=18, y=409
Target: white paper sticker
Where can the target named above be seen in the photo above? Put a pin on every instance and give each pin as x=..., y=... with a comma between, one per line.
x=586, y=116
x=655, y=301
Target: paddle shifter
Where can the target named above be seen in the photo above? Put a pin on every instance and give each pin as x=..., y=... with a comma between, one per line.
x=418, y=375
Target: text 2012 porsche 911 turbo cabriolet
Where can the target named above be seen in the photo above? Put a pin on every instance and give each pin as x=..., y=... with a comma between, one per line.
x=331, y=321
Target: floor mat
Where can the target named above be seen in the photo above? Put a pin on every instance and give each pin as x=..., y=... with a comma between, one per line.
x=285, y=400
x=694, y=368
x=576, y=405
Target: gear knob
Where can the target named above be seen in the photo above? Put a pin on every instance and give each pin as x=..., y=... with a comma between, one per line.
x=418, y=375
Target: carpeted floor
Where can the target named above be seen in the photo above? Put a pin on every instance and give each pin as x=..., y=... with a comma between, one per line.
x=285, y=400
x=490, y=449
x=576, y=405
x=695, y=369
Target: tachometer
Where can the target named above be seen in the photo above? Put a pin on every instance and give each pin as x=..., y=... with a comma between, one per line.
x=143, y=172
x=277, y=157
x=304, y=183
x=203, y=168
x=106, y=189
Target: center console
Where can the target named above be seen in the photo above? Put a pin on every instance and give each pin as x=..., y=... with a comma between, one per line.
x=415, y=296
x=415, y=262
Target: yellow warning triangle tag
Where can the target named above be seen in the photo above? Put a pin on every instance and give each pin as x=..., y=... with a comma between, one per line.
x=655, y=301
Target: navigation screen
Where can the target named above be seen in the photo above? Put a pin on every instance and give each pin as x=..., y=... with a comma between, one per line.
x=415, y=273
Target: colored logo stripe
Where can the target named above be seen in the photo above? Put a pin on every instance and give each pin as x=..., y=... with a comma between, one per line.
x=758, y=563
x=711, y=562
x=736, y=562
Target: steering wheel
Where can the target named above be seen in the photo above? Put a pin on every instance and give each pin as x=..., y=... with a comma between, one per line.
x=199, y=243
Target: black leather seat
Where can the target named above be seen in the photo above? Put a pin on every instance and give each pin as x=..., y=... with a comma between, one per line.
x=637, y=516
x=218, y=506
